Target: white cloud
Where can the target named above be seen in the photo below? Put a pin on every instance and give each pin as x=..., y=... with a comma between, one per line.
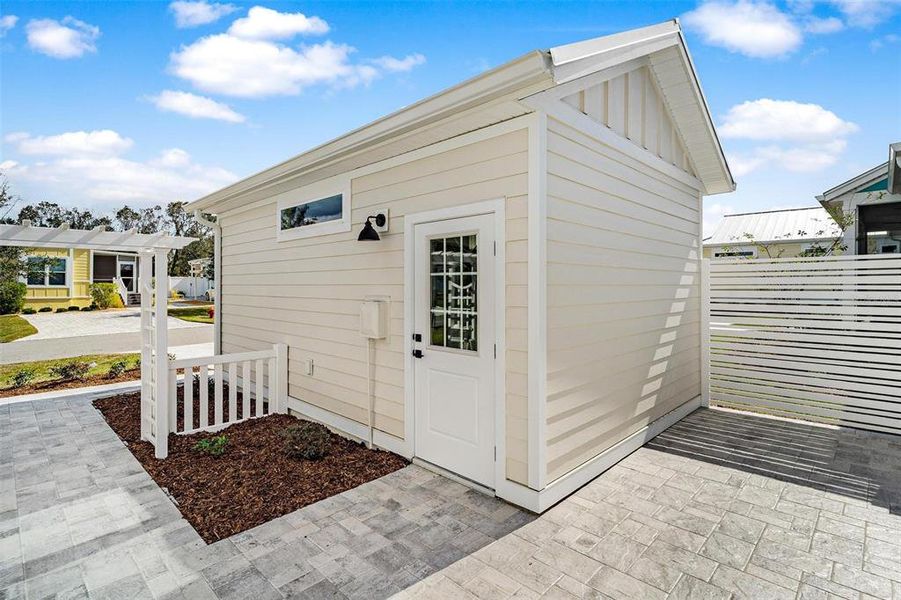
x=819, y=25
x=399, y=65
x=885, y=40
x=753, y=28
x=713, y=213
x=196, y=107
x=103, y=175
x=190, y=13
x=767, y=119
x=254, y=68
x=867, y=13
x=69, y=38
x=266, y=24
x=799, y=137
x=103, y=142
x=7, y=22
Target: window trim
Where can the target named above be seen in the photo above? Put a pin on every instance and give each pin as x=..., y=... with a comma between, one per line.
x=47, y=283
x=312, y=194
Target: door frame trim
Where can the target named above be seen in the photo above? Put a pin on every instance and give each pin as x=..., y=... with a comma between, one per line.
x=496, y=207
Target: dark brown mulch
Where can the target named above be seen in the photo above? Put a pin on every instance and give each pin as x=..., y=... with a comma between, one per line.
x=47, y=386
x=253, y=481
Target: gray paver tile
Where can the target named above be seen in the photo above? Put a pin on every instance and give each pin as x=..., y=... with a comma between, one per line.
x=691, y=588
x=617, y=584
x=727, y=550
x=743, y=585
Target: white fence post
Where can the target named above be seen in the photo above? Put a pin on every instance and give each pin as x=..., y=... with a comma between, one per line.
x=161, y=362
x=705, y=331
x=279, y=389
x=144, y=269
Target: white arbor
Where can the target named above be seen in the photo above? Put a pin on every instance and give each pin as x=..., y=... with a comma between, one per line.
x=155, y=399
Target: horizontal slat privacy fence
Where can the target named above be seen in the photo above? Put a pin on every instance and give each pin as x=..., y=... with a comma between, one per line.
x=218, y=391
x=810, y=338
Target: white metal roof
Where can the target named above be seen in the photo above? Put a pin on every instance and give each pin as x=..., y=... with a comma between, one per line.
x=494, y=96
x=94, y=239
x=791, y=225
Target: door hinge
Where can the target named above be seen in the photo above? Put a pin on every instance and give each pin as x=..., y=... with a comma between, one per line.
x=495, y=454
x=495, y=351
x=495, y=248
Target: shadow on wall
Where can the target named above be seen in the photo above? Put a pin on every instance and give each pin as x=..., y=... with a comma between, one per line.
x=851, y=463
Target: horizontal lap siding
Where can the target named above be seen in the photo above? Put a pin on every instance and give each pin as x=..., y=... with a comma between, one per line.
x=623, y=323
x=307, y=293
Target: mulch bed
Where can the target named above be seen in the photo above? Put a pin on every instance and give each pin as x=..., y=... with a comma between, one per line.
x=49, y=386
x=254, y=481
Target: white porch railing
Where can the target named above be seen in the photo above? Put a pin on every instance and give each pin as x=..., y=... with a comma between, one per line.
x=218, y=391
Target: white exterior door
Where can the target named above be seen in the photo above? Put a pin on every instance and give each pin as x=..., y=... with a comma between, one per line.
x=454, y=345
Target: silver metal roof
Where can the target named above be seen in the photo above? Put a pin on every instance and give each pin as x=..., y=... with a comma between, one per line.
x=791, y=225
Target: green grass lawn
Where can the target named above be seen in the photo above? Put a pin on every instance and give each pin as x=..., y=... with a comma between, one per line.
x=42, y=367
x=195, y=314
x=13, y=327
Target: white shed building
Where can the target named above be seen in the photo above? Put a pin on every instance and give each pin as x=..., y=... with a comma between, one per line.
x=538, y=266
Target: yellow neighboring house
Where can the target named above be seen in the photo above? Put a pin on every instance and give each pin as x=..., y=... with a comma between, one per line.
x=65, y=279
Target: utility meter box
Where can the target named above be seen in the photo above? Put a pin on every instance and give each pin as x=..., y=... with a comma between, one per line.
x=374, y=319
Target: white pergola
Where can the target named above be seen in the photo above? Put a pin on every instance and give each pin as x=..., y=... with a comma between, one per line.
x=154, y=299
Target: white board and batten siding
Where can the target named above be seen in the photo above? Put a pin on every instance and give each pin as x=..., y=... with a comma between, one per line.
x=630, y=104
x=306, y=293
x=810, y=338
x=623, y=290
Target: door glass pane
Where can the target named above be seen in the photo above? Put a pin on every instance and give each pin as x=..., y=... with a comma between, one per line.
x=470, y=254
x=453, y=265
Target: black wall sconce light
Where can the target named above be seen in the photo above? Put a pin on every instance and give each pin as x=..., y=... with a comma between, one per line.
x=369, y=234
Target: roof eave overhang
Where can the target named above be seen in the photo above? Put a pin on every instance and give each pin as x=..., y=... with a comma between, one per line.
x=863, y=180
x=573, y=61
x=894, y=168
x=531, y=71
x=708, y=243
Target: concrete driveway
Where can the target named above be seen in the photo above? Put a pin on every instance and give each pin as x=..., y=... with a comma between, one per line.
x=75, y=333
x=98, y=322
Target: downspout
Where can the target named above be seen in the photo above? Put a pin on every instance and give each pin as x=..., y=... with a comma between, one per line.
x=217, y=279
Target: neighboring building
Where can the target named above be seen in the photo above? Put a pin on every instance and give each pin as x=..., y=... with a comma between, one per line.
x=772, y=233
x=874, y=200
x=532, y=238
x=65, y=279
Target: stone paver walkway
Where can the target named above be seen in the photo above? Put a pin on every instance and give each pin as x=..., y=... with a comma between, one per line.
x=80, y=518
x=720, y=505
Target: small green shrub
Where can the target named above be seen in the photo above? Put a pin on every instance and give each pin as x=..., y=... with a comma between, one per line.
x=116, y=369
x=307, y=440
x=105, y=295
x=69, y=371
x=74, y=308
x=12, y=297
x=45, y=309
x=28, y=311
x=23, y=377
x=214, y=446
x=61, y=309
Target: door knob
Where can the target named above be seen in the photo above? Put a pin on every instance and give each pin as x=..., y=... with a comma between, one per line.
x=417, y=354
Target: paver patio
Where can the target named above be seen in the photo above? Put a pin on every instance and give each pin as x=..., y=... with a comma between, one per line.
x=720, y=505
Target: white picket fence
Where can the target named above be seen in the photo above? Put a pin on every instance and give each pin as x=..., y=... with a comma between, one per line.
x=256, y=385
x=810, y=338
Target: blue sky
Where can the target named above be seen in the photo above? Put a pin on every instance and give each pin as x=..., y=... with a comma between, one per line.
x=105, y=103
